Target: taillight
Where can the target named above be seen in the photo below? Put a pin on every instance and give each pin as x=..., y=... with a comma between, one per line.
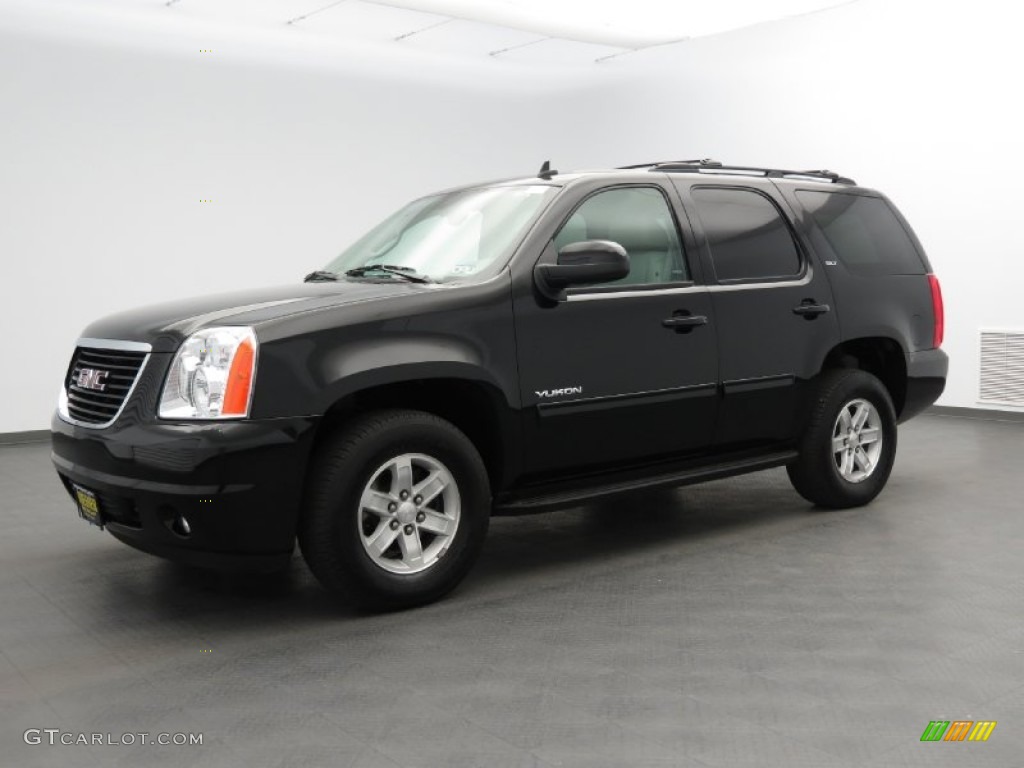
x=938, y=312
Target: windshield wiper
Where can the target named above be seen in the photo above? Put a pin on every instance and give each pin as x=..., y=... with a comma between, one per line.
x=406, y=273
x=320, y=276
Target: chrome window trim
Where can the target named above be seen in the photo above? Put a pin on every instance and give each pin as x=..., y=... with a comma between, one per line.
x=634, y=294
x=804, y=279
x=115, y=345
x=717, y=288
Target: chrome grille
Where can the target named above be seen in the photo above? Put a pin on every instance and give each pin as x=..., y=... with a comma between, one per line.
x=97, y=398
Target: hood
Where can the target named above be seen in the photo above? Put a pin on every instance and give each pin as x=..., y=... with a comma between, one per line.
x=165, y=325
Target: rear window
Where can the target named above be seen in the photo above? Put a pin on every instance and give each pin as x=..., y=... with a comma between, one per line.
x=864, y=233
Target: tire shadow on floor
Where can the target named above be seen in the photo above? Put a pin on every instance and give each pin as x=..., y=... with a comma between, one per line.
x=610, y=531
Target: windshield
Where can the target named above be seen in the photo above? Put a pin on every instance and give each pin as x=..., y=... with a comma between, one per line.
x=446, y=237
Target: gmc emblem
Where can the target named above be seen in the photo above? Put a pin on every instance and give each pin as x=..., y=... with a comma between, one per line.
x=90, y=378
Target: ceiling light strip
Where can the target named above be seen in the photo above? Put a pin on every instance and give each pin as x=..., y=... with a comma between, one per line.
x=500, y=14
x=427, y=28
x=316, y=11
x=617, y=54
x=518, y=46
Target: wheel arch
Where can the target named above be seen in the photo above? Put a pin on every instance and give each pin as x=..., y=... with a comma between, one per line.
x=881, y=356
x=474, y=405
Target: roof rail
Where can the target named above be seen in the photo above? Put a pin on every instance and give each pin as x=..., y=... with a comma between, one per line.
x=661, y=162
x=713, y=166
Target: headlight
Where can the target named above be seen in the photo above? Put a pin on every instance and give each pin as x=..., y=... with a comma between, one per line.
x=211, y=376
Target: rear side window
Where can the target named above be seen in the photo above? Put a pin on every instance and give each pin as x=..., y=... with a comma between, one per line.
x=748, y=238
x=864, y=233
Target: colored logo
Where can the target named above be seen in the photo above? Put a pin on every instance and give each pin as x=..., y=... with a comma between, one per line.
x=958, y=730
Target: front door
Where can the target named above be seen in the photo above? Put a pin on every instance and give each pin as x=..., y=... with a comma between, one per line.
x=613, y=372
x=773, y=306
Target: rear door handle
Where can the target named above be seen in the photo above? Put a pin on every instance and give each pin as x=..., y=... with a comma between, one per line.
x=684, y=323
x=810, y=309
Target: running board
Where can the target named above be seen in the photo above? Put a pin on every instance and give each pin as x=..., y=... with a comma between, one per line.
x=543, y=499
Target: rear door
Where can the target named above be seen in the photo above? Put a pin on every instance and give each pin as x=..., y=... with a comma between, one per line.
x=773, y=305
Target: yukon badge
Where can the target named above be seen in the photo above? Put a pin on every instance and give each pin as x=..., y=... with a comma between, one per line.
x=559, y=392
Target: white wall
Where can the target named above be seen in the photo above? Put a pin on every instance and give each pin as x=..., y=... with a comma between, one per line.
x=921, y=100
x=110, y=137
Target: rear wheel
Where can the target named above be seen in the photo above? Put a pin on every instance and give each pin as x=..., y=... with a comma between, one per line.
x=397, y=509
x=849, y=444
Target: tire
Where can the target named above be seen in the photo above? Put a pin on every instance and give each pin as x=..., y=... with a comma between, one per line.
x=857, y=473
x=361, y=524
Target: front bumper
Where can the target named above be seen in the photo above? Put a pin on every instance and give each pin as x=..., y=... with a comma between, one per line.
x=238, y=484
x=926, y=378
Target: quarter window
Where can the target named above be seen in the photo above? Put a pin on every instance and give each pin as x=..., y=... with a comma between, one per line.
x=748, y=238
x=864, y=233
x=638, y=219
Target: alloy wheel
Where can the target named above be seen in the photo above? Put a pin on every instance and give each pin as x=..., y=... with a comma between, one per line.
x=409, y=513
x=857, y=440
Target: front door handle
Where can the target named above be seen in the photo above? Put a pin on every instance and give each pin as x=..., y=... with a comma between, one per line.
x=684, y=322
x=810, y=309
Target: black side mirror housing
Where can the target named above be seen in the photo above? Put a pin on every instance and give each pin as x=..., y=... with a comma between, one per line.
x=588, y=261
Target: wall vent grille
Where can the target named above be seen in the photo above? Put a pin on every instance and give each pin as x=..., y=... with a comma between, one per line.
x=1002, y=367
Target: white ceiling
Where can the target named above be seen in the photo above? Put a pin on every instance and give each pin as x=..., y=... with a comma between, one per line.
x=621, y=23
x=538, y=31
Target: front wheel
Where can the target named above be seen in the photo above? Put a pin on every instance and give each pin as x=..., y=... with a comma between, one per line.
x=397, y=509
x=849, y=445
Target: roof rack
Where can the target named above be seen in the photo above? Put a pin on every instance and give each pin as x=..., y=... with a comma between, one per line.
x=651, y=165
x=713, y=166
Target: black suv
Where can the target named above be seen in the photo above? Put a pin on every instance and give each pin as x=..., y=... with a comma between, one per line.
x=504, y=348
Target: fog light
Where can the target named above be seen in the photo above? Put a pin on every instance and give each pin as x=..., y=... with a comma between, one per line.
x=181, y=526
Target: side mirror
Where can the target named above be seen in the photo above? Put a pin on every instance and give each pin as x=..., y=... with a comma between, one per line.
x=589, y=261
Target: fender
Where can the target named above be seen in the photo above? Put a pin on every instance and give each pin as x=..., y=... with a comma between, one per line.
x=371, y=364
x=306, y=376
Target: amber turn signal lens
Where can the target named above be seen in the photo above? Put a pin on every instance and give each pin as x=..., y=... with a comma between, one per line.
x=239, y=383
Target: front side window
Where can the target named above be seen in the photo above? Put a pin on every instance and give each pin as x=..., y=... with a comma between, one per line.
x=638, y=219
x=863, y=232
x=747, y=236
x=446, y=237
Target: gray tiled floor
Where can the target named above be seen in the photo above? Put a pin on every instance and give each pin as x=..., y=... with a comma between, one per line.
x=721, y=625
